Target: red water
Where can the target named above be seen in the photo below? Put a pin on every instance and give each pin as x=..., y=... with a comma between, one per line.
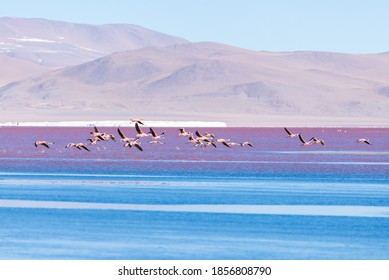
x=273, y=154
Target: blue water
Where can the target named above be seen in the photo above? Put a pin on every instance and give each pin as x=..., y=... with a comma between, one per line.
x=276, y=172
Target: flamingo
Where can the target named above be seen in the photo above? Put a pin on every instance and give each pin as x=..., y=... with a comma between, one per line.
x=137, y=121
x=43, y=143
x=290, y=134
x=78, y=146
x=364, y=140
x=305, y=143
x=97, y=133
x=233, y=144
x=196, y=142
x=247, y=144
x=107, y=136
x=93, y=141
x=199, y=136
x=224, y=142
x=183, y=132
x=155, y=135
x=200, y=143
x=135, y=144
x=316, y=141
x=140, y=132
x=124, y=138
x=209, y=135
x=156, y=142
x=209, y=143
x=191, y=140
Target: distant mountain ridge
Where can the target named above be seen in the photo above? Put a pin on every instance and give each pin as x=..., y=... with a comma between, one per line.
x=55, y=44
x=211, y=81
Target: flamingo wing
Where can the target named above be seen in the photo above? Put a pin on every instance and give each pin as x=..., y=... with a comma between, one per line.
x=139, y=147
x=45, y=144
x=226, y=144
x=301, y=139
x=153, y=132
x=138, y=128
x=121, y=134
x=85, y=147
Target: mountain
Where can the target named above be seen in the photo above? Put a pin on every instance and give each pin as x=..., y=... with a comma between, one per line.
x=210, y=81
x=55, y=44
x=12, y=69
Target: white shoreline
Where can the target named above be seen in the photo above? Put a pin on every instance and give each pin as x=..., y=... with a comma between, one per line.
x=116, y=123
x=125, y=123
x=305, y=210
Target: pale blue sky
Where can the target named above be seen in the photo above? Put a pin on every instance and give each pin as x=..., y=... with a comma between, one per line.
x=352, y=26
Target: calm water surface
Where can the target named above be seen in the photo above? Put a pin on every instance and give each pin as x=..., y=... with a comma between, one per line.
x=278, y=200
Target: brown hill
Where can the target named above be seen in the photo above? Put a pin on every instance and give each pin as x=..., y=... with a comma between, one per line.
x=13, y=69
x=209, y=81
x=55, y=44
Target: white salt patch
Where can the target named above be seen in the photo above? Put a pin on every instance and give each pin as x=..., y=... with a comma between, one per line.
x=91, y=50
x=38, y=40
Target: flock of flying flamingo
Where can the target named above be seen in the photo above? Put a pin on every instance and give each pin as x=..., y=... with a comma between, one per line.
x=196, y=139
x=314, y=140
